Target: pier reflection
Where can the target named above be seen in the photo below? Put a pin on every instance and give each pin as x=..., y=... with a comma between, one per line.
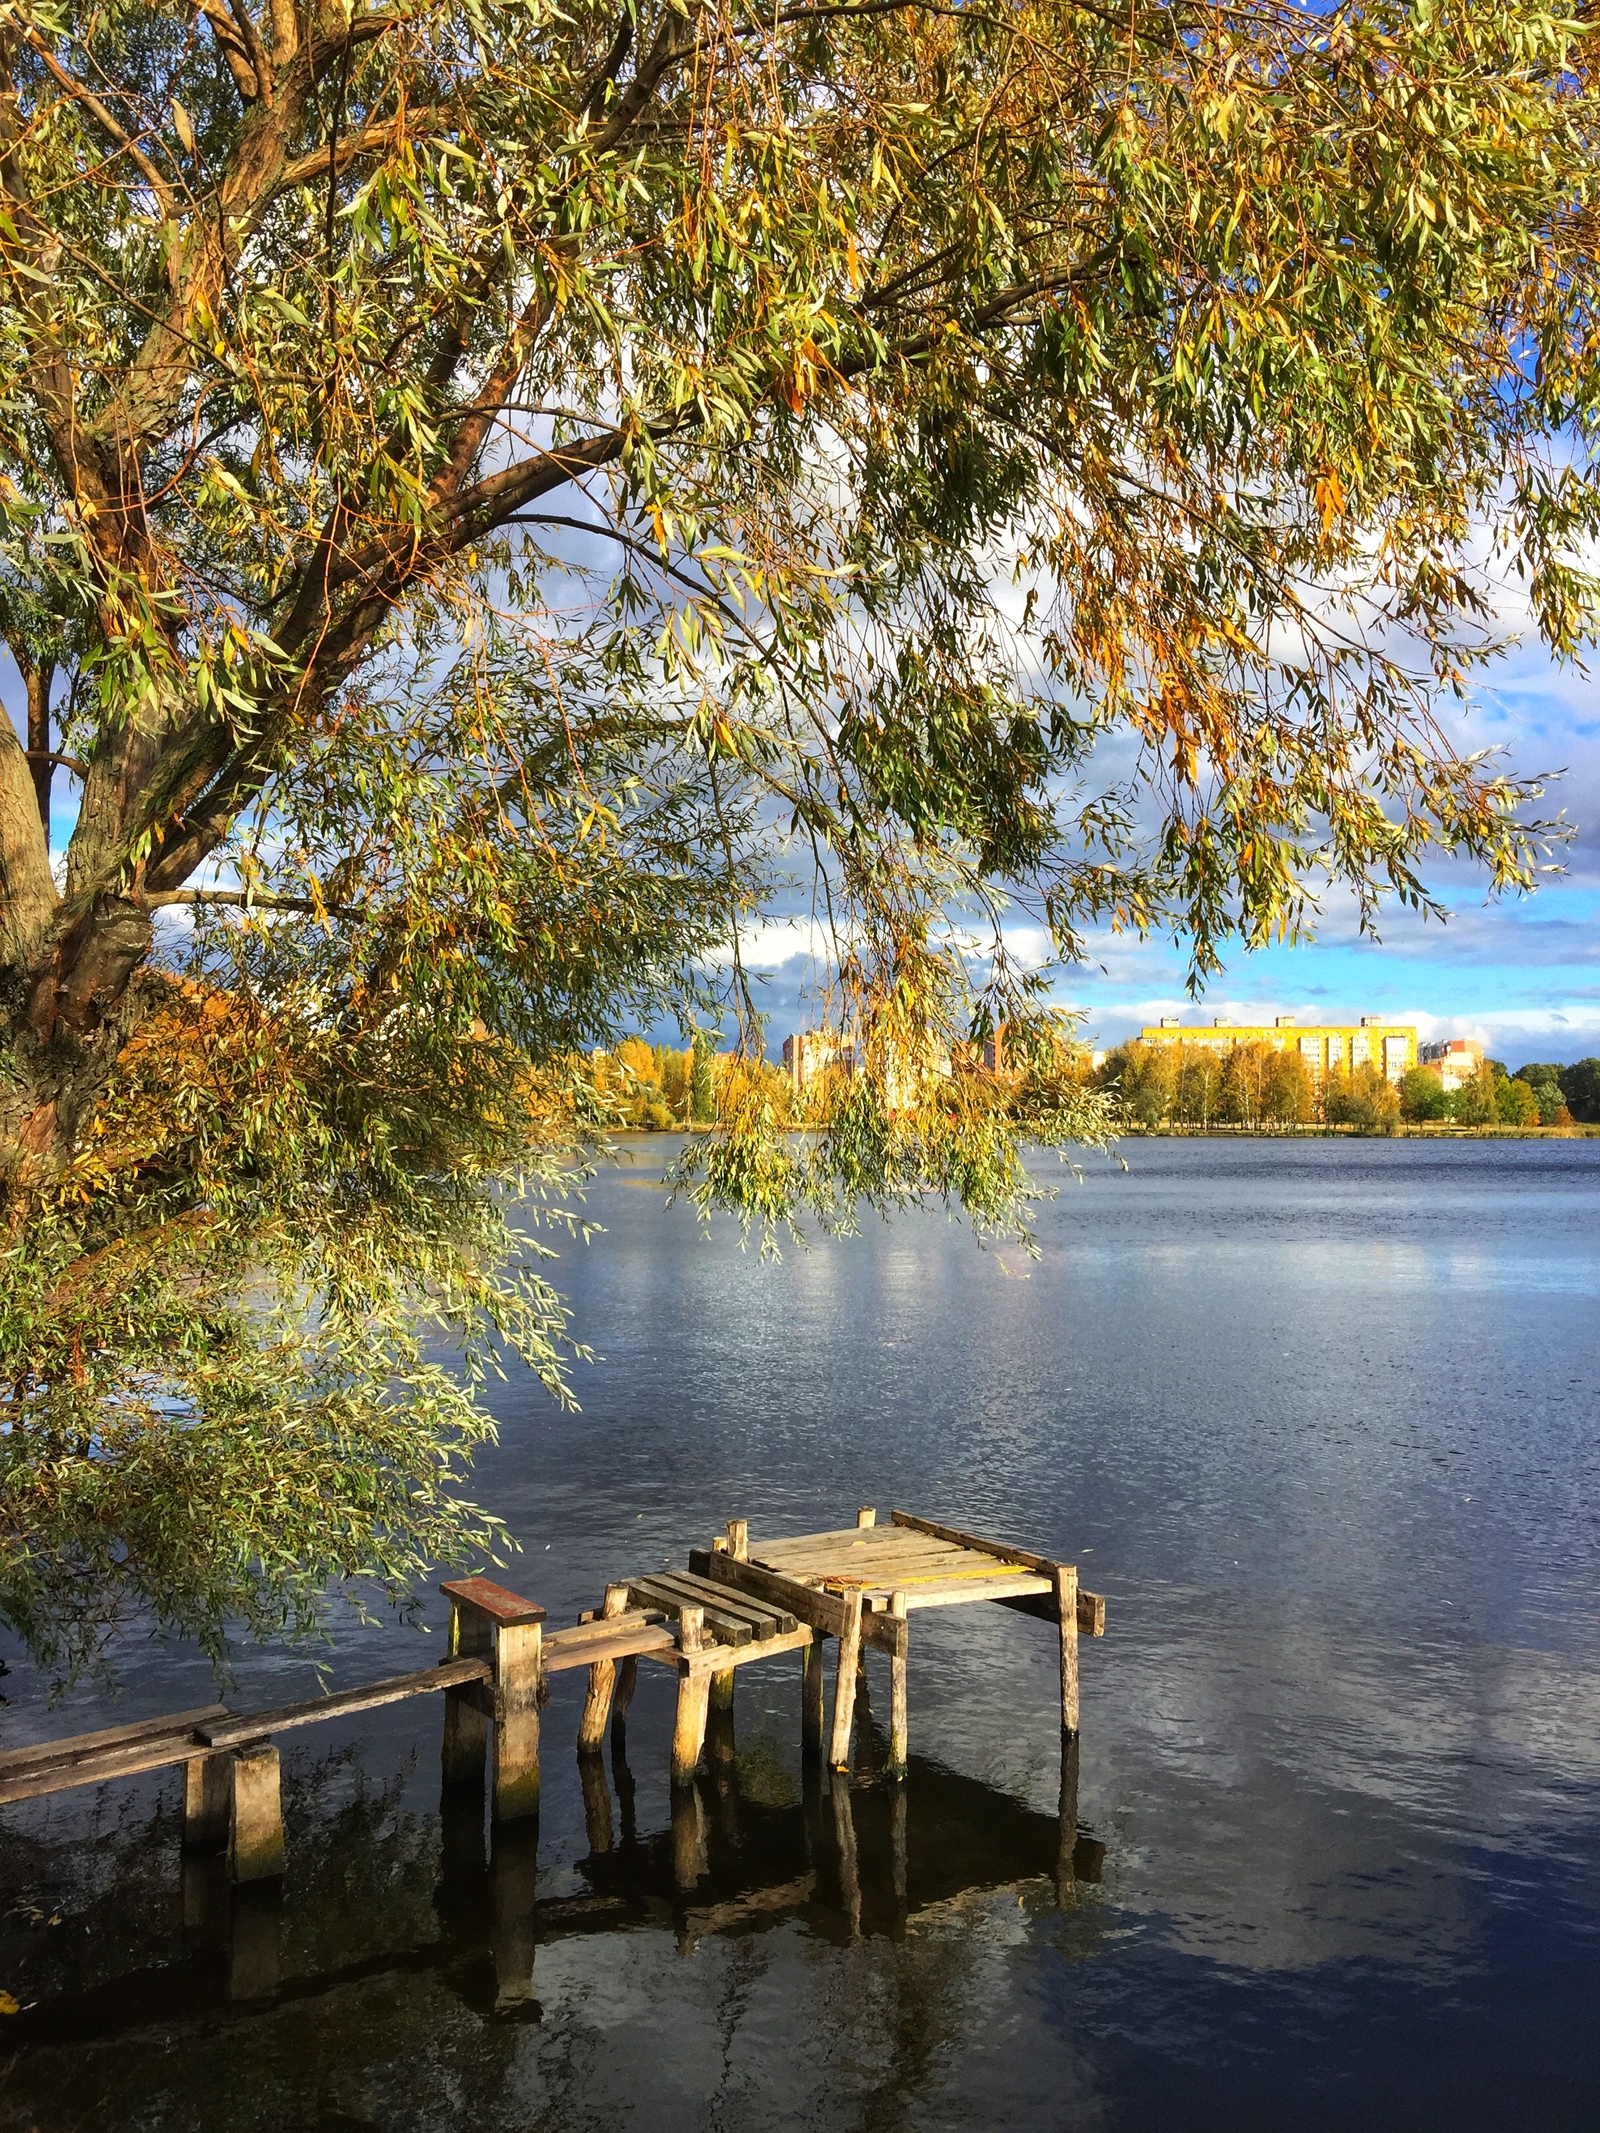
x=845, y=1861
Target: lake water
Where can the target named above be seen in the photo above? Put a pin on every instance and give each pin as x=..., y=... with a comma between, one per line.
x=1320, y=1419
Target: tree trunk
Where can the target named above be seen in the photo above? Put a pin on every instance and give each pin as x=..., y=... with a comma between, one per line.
x=65, y=1002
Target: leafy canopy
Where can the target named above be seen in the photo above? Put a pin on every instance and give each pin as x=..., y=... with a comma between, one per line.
x=512, y=491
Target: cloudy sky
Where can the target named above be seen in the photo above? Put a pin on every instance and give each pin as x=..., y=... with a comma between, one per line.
x=1522, y=975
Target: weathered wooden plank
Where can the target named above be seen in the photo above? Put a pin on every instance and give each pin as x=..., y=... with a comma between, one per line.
x=1042, y=1563
x=714, y=1658
x=820, y=1610
x=131, y=1760
x=639, y=1631
x=722, y=1624
x=768, y=1617
x=75, y=1746
x=965, y=1592
x=492, y=1599
x=237, y=1727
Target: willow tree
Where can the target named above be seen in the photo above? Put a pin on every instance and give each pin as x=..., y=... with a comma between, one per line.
x=493, y=492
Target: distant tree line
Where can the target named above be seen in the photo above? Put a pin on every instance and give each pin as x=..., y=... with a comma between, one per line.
x=656, y=1086
x=1259, y=1087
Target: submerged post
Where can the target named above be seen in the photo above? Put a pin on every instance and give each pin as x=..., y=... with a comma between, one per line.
x=466, y=1722
x=207, y=1793
x=255, y=1819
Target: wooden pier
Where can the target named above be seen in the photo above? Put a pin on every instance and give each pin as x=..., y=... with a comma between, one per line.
x=737, y=1602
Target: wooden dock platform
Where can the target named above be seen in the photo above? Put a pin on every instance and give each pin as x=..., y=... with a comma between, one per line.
x=737, y=1602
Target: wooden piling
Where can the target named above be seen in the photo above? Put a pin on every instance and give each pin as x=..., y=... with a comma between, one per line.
x=694, y=1697
x=517, y=1648
x=813, y=1699
x=627, y=1682
x=1067, y=1816
x=596, y=1804
x=207, y=1792
x=844, y=1682
x=719, y=1719
x=466, y=1722
x=602, y=1681
x=688, y=1837
x=899, y=1719
x=255, y=1814
x=1065, y=1576
x=866, y=1516
x=739, y=1539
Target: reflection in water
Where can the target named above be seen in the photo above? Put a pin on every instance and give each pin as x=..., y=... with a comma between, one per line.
x=846, y=1862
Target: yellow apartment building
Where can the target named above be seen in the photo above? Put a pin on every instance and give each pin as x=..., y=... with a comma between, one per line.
x=1324, y=1046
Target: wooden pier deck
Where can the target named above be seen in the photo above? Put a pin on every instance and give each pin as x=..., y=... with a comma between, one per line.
x=738, y=1601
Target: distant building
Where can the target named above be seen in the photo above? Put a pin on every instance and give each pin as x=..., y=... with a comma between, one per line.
x=1456, y=1060
x=811, y=1052
x=1325, y=1047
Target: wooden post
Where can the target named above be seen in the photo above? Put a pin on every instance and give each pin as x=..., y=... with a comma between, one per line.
x=513, y=1882
x=254, y=1943
x=694, y=1696
x=866, y=1516
x=897, y=1840
x=466, y=1723
x=602, y=1681
x=255, y=1817
x=844, y=1683
x=596, y=1804
x=518, y=1648
x=1066, y=1584
x=207, y=1789
x=812, y=1699
x=899, y=1722
x=739, y=1539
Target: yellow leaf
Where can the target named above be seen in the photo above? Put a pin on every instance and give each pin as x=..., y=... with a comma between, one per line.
x=9, y=2003
x=183, y=127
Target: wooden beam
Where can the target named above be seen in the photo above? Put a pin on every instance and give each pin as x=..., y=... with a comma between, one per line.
x=76, y=1746
x=496, y=1601
x=238, y=1727
x=960, y=1592
x=1091, y=1610
x=722, y=1625
x=821, y=1610
x=637, y=1631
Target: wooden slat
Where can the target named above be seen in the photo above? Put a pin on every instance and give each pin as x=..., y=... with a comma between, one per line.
x=963, y=1592
x=718, y=1658
x=1042, y=1563
x=233, y=1731
x=493, y=1599
x=723, y=1626
x=818, y=1609
x=13, y=1761
x=809, y=1561
x=769, y=1618
x=624, y=1638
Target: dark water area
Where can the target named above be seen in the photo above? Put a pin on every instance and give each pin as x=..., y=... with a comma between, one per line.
x=1322, y=1422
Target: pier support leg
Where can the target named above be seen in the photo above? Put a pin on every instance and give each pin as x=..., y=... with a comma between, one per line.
x=602, y=1681
x=255, y=1818
x=518, y=1647
x=466, y=1723
x=1066, y=1584
x=206, y=1794
x=899, y=1716
x=689, y=1731
x=627, y=1682
x=898, y=1815
x=844, y=1834
x=844, y=1683
x=812, y=1699
x=1067, y=1812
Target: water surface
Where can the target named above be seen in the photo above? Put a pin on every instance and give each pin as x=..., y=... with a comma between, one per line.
x=1321, y=1420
